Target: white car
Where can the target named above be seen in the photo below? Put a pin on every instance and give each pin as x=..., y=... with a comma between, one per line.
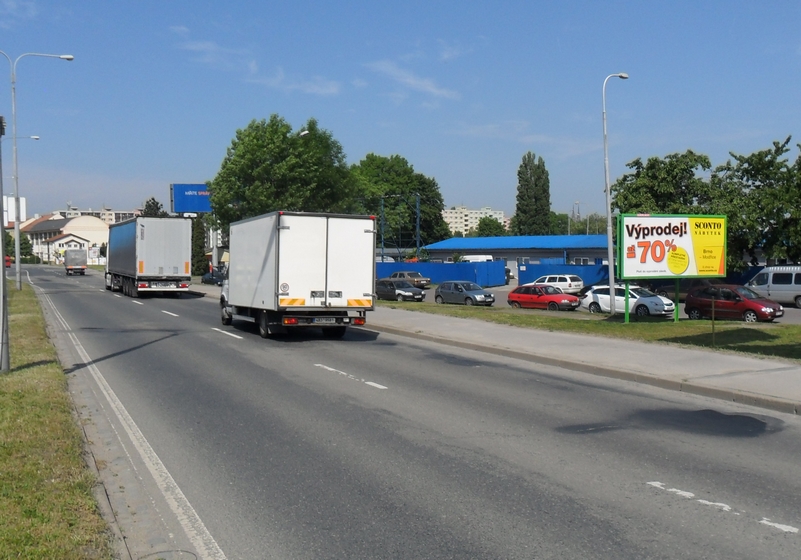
x=641, y=301
x=568, y=283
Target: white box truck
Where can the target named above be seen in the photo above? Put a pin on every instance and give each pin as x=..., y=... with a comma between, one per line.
x=75, y=261
x=290, y=270
x=149, y=255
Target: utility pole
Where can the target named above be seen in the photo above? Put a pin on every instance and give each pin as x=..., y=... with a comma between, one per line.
x=5, y=357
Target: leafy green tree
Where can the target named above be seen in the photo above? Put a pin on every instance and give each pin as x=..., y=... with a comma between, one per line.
x=532, y=213
x=490, y=227
x=153, y=209
x=557, y=223
x=103, y=248
x=388, y=188
x=200, y=263
x=25, y=246
x=269, y=167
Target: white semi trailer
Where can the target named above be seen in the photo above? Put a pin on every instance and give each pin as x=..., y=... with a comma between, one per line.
x=149, y=255
x=291, y=270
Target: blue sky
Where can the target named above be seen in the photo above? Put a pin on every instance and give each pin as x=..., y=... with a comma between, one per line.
x=460, y=89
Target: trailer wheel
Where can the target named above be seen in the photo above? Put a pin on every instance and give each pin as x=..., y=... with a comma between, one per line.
x=264, y=327
x=225, y=316
x=334, y=332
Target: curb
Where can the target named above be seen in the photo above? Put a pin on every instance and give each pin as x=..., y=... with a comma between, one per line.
x=741, y=397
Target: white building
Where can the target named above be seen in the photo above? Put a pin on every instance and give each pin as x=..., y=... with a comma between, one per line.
x=108, y=215
x=461, y=218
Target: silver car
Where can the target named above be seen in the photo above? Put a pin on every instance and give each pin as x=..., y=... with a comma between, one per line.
x=462, y=292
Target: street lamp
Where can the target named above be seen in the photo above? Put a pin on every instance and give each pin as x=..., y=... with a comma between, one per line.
x=14, y=135
x=609, y=240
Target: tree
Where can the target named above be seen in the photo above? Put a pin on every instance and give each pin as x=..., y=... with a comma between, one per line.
x=388, y=188
x=268, y=167
x=557, y=223
x=153, y=209
x=532, y=213
x=200, y=263
x=490, y=227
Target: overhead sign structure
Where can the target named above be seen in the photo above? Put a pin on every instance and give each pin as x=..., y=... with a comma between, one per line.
x=186, y=197
x=671, y=246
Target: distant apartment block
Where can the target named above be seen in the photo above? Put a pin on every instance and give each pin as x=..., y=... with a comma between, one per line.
x=461, y=218
x=107, y=215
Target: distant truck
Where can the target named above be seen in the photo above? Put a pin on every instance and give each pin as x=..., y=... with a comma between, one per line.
x=149, y=255
x=291, y=270
x=75, y=261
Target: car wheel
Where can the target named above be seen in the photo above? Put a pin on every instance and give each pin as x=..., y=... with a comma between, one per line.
x=552, y=306
x=468, y=301
x=594, y=307
x=264, y=327
x=694, y=313
x=400, y=297
x=662, y=293
x=642, y=311
x=516, y=304
x=798, y=302
x=438, y=299
x=750, y=316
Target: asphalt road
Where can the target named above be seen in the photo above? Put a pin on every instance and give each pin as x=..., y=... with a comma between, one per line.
x=384, y=447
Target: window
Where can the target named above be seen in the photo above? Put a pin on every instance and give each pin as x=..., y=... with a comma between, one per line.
x=761, y=279
x=782, y=278
x=798, y=278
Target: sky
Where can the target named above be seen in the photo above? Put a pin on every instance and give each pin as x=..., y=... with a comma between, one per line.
x=461, y=90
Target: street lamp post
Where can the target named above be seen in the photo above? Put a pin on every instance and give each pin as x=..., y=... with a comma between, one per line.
x=5, y=356
x=13, y=64
x=609, y=240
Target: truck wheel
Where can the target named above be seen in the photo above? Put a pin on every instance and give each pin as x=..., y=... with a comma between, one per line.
x=225, y=316
x=264, y=327
x=334, y=332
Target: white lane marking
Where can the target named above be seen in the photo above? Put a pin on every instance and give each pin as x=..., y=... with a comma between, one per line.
x=117, y=295
x=193, y=526
x=351, y=377
x=718, y=505
x=137, y=302
x=225, y=332
x=168, y=313
x=785, y=528
x=725, y=507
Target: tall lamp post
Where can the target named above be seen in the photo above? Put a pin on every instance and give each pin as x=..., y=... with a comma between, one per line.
x=5, y=358
x=609, y=239
x=14, y=136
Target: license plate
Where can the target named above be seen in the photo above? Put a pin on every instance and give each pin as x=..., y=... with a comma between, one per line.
x=326, y=320
x=162, y=284
x=779, y=313
x=489, y=299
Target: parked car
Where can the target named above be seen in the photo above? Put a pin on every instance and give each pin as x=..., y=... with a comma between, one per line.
x=667, y=287
x=414, y=278
x=542, y=297
x=399, y=290
x=731, y=302
x=468, y=293
x=568, y=283
x=641, y=301
x=216, y=277
x=779, y=283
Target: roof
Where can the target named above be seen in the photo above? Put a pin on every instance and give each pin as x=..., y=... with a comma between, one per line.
x=47, y=225
x=66, y=235
x=554, y=242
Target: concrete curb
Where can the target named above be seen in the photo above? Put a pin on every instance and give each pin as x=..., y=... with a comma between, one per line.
x=733, y=395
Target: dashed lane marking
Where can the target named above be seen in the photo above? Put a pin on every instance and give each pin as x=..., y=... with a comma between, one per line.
x=137, y=302
x=351, y=377
x=225, y=332
x=168, y=313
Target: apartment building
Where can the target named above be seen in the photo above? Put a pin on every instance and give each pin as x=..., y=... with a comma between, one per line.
x=463, y=219
x=107, y=215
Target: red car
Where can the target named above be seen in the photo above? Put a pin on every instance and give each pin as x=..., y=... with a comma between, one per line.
x=542, y=296
x=731, y=302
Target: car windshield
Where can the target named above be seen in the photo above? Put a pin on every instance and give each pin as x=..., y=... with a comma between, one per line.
x=470, y=287
x=403, y=284
x=747, y=293
x=414, y=275
x=642, y=292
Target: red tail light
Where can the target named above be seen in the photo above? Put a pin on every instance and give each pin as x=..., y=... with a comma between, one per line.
x=142, y=285
x=358, y=321
x=290, y=320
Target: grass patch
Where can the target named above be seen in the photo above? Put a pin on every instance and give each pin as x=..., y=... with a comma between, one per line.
x=47, y=509
x=763, y=339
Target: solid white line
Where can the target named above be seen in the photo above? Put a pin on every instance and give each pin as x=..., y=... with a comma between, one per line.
x=137, y=302
x=195, y=530
x=168, y=313
x=225, y=332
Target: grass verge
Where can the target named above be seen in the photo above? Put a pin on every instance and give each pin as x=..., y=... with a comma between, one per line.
x=47, y=509
x=764, y=339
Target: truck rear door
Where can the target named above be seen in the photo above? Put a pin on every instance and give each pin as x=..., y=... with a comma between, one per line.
x=351, y=262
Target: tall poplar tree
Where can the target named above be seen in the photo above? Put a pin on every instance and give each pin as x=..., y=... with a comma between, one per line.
x=533, y=210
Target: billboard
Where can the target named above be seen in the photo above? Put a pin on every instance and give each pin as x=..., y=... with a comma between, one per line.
x=186, y=197
x=671, y=246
